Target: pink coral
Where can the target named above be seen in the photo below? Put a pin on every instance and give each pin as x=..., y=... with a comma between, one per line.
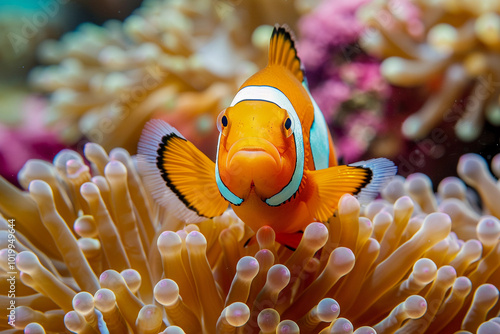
x=365, y=76
x=332, y=24
x=344, y=81
x=330, y=95
x=359, y=130
x=29, y=140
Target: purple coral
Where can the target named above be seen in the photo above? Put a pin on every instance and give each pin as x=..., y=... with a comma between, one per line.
x=330, y=95
x=344, y=81
x=333, y=24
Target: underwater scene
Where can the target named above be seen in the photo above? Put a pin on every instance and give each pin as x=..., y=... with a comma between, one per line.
x=250, y=166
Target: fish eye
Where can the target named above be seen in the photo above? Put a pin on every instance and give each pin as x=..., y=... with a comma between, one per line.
x=288, y=123
x=222, y=121
x=287, y=127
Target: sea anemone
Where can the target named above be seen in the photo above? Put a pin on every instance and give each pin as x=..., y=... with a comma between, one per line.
x=85, y=249
x=109, y=80
x=448, y=47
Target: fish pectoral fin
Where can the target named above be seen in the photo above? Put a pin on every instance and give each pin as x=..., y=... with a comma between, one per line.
x=178, y=175
x=331, y=183
x=363, y=179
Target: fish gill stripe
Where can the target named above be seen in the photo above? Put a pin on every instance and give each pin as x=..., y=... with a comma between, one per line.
x=318, y=136
x=224, y=190
x=164, y=173
x=276, y=96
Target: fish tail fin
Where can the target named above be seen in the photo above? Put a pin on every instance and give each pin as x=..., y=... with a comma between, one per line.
x=178, y=175
x=363, y=179
x=282, y=51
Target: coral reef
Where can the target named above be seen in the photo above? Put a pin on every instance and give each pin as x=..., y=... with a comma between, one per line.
x=450, y=48
x=345, y=82
x=89, y=251
x=178, y=60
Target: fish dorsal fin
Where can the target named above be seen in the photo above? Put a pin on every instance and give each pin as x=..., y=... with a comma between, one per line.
x=282, y=51
x=178, y=175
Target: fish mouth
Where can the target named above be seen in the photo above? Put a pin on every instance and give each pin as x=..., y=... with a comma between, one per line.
x=254, y=147
x=253, y=166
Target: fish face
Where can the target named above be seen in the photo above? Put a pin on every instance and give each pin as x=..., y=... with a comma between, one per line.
x=256, y=149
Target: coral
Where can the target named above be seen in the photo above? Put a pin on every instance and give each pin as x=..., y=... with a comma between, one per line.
x=450, y=48
x=331, y=25
x=27, y=138
x=106, y=82
x=89, y=251
x=344, y=81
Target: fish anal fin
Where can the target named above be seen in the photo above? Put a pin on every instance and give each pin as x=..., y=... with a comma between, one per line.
x=290, y=240
x=282, y=51
x=174, y=170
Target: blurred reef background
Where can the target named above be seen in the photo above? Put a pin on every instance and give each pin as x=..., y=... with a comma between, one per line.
x=415, y=81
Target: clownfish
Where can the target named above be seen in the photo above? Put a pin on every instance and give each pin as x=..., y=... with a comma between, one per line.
x=275, y=164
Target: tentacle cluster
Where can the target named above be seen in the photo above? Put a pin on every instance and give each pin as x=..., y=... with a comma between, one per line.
x=449, y=47
x=182, y=60
x=94, y=254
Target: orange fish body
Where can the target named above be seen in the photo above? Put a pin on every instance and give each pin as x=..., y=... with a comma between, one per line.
x=275, y=164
